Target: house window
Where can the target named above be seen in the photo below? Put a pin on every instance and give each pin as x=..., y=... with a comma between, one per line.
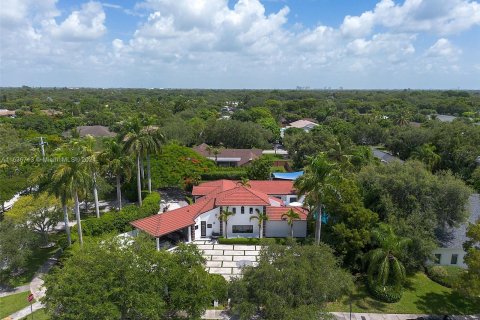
x=242, y=229
x=234, y=210
x=454, y=259
x=438, y=258
x=251, y=211
x=209, y=225
x=196, y=227
x=242, y=210
x=293, y=199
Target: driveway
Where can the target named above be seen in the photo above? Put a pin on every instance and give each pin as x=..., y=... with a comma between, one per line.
x=228, y=259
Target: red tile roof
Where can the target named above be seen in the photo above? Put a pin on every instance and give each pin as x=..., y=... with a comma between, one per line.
x=170, y=221
x=242, y=196
x=271, y=187
x=275, y=213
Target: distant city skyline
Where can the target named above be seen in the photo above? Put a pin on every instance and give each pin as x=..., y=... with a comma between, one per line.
x=236, y=44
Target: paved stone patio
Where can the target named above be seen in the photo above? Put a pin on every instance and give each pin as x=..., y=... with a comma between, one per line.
x=227, y=259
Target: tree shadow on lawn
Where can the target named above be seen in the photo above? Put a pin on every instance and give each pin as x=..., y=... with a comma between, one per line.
x=362, y=300
x=447, y=303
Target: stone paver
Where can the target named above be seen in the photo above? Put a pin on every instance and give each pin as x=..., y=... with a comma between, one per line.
x=221, y=258
x=234, y=252
x=247, y=258
x=224, y=246
x=205, y=246
x=221, y=270
x=243, y=247
x=230, y=264
x=213, y=252
x=214, y=264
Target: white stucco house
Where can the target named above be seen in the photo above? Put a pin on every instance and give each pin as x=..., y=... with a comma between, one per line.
x=450, y=252
x=304, y=124
x=201, y=219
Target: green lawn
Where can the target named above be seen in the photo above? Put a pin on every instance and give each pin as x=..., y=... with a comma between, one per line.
x=38, y=315
x=421, y=296
x=13, y=303
x=38, y=258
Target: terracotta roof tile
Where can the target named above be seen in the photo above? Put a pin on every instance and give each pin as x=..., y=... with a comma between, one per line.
x=275, y=213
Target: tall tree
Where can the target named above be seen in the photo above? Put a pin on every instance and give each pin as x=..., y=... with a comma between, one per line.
x=469, y=283
x=318, y=182
x=384, y=265
x=142, y=141
x=261, y=217
x=225, y=214
x=75, y=175
x=291, y=216
x=117, y=164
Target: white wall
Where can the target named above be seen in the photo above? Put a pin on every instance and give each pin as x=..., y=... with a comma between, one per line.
x=243, y=219
x=288, y=198
x=282, y=229
x=445, y=259
x=211, y=217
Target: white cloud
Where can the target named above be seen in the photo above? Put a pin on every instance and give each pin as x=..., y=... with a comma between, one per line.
x=436, y=16
x=215, y=42
x=81, y=25
x=443, y=48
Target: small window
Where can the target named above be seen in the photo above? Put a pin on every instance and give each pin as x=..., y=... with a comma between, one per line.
x=209, y=225
x=196, y=227
x=251, y=211
x=242, y=229
x=293, y=199
x=454, y=259
x=438, y=258
x=234, y=210
x=242, y=210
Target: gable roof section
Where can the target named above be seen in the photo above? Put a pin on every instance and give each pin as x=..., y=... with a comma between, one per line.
x=240, y=196
x=213, y=186
x=275, y=213
x=273, y=187
x=170, y=221
x=241, y=156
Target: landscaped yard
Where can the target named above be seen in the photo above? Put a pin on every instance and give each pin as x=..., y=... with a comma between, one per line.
x=421, y=296
x=13, y=303
x=34, y=263
x=38, y=315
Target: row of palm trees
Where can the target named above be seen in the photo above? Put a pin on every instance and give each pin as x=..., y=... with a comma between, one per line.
x=79, y=166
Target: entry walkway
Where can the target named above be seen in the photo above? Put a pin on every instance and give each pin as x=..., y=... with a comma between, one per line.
x=228, y=259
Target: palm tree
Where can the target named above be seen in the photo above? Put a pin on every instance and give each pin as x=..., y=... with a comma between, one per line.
x=426, y=153
x=291, y=216
x=245, y=182
x=225, y=214
x=74, y=177
x=384, y=266
x=117, y=164
x=91, y=160
x=261, y=217
x=141, y=142
x=402, y=118
x=215, y=151
x=319, y=182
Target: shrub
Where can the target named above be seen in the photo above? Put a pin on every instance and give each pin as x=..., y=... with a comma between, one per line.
x=444, y=275
x=230, y=175
x=389, y=294
x=248, y=241
x=119, y=222
x=256, y=241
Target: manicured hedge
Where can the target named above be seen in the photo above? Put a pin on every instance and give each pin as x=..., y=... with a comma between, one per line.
x=444, y=275
x=387, y=294
x=230, y=175
x=119, y=222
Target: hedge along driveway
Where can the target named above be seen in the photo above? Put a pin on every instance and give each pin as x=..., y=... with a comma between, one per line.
x=119, y=222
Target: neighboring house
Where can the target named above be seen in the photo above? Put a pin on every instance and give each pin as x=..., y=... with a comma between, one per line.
x=202, y=219
x=451, y=252
x=229, y=157
x=304, y=124
x=7, y=113
x=384, y=157
x=444, y=117
x=95, y=131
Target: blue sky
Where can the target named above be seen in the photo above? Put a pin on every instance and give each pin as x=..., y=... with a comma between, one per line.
x=366, y=44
